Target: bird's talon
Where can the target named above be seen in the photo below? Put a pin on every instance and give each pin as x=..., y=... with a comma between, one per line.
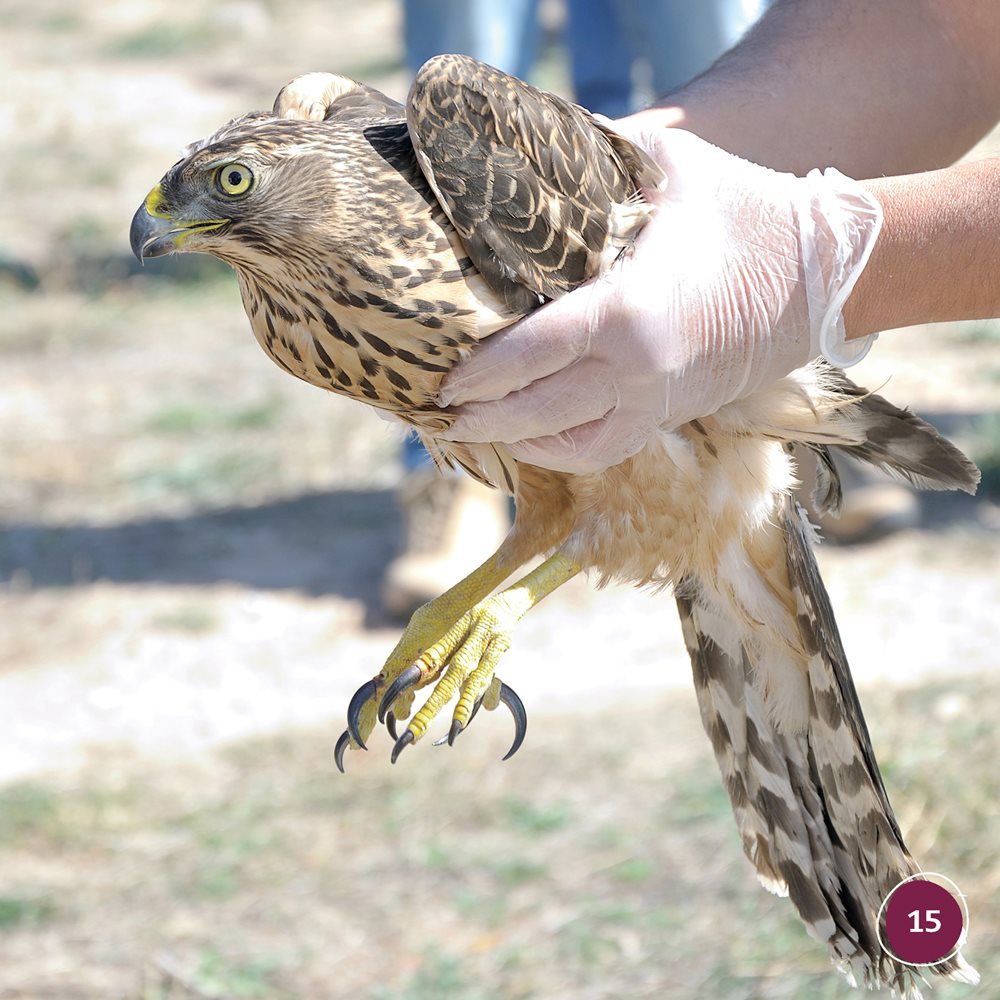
x=390, y=724
x=363, y=695
x=510, y=698
x=401, y=744
x=402, y=683
x=338, y=752
x=457, y=727
x=475, y=708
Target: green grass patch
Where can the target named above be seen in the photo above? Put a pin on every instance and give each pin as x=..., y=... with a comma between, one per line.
x=29, y=812
x=511, y=871
x=634, y=870
x=203, y=416
x=20, y=910
x=528, y=817
x=193, y=619
x=250, y=978
x=439, y=975
x=978, y=332
x=165, y=38
x=202, y=477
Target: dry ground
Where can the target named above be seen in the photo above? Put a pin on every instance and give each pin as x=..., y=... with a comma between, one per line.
x=190, y=548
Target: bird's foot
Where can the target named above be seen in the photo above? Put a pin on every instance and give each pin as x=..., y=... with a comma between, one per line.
x=461, y=658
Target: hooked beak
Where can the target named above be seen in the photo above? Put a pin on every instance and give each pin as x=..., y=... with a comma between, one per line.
x=155, y=232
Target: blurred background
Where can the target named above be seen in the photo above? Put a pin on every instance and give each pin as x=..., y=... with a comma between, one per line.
x=191, y=546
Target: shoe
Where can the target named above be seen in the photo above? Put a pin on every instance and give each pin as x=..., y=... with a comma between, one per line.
x=452, y=524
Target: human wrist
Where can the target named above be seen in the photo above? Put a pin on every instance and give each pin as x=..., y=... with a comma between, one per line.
x=839, y=223
x=872, y=305
x=935, y=261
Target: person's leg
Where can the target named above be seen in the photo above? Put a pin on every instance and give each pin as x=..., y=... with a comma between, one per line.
x=507, y=34
x=503, y=33
x=680, y=39
x=415, y=456
x=431, y=27
x=601, y=57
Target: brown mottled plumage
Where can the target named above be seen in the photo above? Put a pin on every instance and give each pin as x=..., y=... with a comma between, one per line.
x=375, y=244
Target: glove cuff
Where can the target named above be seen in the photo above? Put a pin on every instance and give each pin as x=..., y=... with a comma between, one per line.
x=838, y=227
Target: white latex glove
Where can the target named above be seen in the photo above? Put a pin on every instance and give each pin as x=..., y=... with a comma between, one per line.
x=739, y=278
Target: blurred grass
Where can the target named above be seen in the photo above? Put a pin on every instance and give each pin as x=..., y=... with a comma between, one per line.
x=984, y=449
x=166, y=38
x=612, y=871
x=978, y=332
x=201, y=415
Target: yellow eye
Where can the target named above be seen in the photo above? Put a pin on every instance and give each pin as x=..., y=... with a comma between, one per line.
x=233, y=179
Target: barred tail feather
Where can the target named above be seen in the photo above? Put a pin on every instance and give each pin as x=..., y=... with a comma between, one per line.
x=902, y=444
x=809, y=802
x=821, y=409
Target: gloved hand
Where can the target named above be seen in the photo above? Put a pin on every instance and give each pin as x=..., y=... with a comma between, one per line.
x=739, y=278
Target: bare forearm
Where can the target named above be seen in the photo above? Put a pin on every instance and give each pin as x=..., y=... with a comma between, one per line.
x=869, y=86
x=936, y=258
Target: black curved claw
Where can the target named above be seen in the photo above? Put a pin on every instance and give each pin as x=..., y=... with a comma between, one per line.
x=457, y=727
x=405, y=680
x=475, y=708
x=390, y=724
x=516, y=706
x=401, y=744
x=338, y=752
x=363, y=694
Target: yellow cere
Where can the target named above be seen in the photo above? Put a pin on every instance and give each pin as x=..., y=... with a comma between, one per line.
x=155, y=204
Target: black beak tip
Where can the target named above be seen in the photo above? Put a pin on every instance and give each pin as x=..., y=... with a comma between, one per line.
x=139, y=232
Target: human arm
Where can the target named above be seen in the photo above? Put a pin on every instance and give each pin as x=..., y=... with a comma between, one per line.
x=890, y=87
x=887, y=88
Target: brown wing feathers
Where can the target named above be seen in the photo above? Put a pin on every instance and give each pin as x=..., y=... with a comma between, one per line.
x=529, y=180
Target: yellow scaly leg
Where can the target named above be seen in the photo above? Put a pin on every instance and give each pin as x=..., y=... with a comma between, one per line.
x=448, y=637
x=428, y=624
x=465, y=657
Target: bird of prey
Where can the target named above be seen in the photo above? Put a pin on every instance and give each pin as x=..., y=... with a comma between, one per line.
x=376, y=244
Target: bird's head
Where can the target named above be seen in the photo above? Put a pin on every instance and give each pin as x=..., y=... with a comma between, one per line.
x=252, y=192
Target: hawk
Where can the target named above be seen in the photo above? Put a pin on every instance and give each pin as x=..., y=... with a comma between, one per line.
x=376, y=244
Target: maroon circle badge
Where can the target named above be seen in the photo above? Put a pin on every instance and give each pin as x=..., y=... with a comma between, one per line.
x=925, y=919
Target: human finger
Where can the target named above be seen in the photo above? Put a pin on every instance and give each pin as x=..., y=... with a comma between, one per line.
x=548, y=406
x=545, y=342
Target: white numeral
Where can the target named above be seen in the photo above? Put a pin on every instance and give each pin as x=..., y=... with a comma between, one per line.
x=931, y=922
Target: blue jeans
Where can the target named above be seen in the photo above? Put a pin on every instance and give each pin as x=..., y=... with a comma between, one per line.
x=677, y=39
x=502, y=33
